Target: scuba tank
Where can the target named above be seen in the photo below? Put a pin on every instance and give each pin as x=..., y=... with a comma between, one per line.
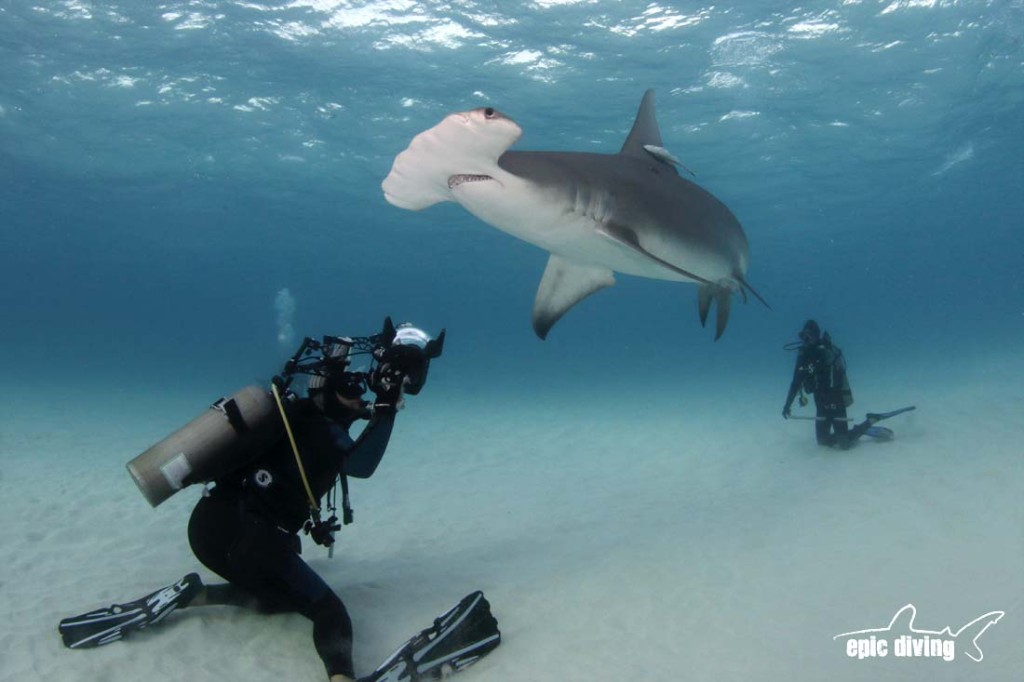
x=231, y=433
x=221, y=439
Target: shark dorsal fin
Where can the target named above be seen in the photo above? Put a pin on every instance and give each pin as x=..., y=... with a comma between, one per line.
x=645, y=132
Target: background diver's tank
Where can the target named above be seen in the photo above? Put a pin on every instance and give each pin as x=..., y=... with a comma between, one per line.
x=221, y=439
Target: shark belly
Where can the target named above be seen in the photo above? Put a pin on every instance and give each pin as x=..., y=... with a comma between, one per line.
x=574, y=219
x=538, y=215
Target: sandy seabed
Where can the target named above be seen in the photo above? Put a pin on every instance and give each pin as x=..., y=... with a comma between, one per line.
x=666, y=535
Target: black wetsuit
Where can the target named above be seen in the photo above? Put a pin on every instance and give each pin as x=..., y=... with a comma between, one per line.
x=821, y=370
x=246, y=529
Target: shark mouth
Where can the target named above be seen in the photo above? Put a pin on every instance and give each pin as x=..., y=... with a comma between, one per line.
x=456, y=180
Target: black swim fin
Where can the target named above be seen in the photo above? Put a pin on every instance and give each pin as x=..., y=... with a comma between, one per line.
x=879, y=416
x=458, y=638
x=104, y=626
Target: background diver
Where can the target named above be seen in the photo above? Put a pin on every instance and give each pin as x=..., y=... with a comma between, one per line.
x=246, y=527
x=821, y=370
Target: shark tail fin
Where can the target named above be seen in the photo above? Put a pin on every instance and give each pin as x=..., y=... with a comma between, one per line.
x=970, y=633
x=723, y=297
x=704, y=299
x=720, y=294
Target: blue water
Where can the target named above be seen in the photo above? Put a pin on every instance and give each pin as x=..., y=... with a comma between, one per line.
x=166, y=170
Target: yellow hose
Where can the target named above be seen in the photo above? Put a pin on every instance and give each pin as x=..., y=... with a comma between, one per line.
x=295, y=449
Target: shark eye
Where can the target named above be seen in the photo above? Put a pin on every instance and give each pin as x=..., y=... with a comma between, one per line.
x=489, y=112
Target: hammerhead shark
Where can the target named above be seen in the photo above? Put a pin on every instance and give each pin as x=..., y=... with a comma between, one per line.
x=596, y=214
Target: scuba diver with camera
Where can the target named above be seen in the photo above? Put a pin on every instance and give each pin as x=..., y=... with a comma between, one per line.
x=276, y=456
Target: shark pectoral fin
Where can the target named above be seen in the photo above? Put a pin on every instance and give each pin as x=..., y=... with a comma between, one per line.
x=563, y=285
x=626, y=237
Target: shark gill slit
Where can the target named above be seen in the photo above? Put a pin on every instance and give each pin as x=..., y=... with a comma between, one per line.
x=456, y=180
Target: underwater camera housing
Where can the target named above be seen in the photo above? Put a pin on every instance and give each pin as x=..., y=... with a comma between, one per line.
x=404, y=357
x=399, y=356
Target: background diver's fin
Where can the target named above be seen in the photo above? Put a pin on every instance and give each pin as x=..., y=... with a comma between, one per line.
x=458, y=638
x=880, y=433
x=104, y=626
x=879, y=416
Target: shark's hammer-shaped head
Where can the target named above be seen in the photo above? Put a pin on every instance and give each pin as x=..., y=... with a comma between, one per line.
x=464, y=147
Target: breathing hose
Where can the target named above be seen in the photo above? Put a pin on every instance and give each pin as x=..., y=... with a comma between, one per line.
x=295, y=450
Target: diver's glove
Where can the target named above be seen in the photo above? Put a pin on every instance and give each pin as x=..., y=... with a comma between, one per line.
x=387, y=385
x=388, y=402
x=785, y=412
x=386, y=382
